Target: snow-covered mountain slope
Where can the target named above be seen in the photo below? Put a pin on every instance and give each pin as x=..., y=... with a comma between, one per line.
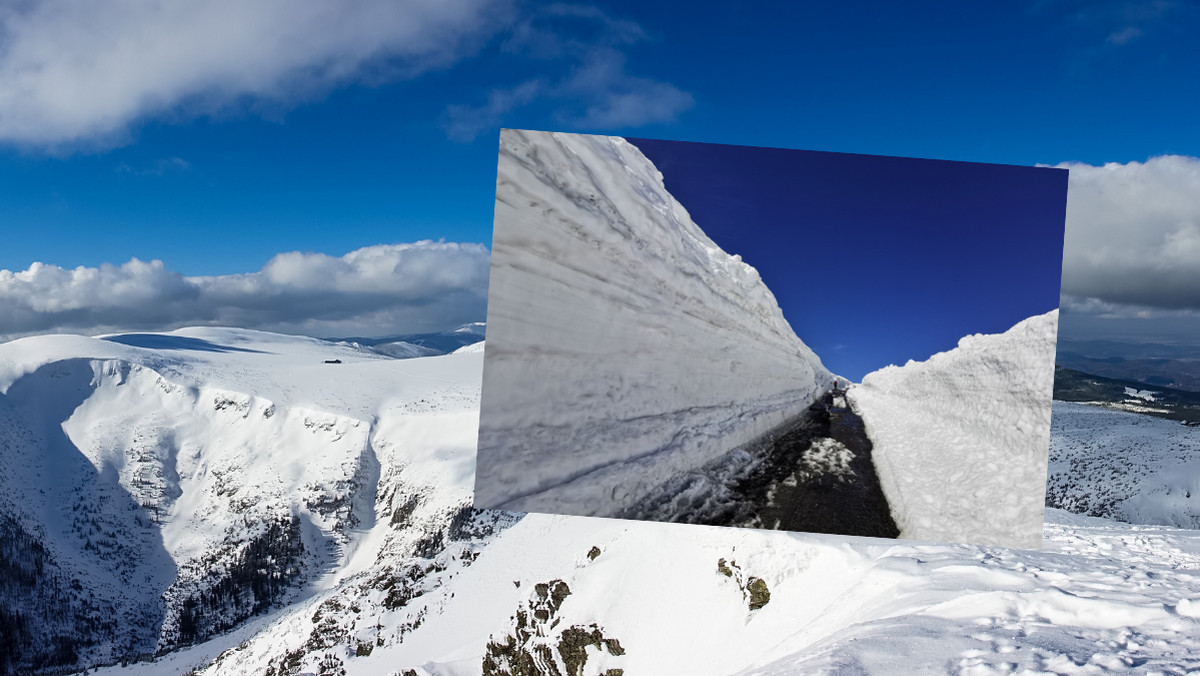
x=400, y=349
x=1125, y=466
x=591, y=595
x=625, y=347
x=412, y=345
x=424, y=586
x=160, y=488
x=960, y=440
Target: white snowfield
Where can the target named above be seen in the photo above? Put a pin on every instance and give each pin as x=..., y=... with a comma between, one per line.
x=1145, y=395
x=960, y=440
x=473, y=348
x=625, y=348
x=406, y=591
x=1126, y=466
x=1101, y=598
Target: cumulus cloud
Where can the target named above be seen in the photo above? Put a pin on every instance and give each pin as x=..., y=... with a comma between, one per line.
x=82, y=74
x=377, y=290
x=83, y=71
x=1133, y=237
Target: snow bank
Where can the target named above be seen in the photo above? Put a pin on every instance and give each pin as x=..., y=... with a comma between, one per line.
x=624, y=346
x=960, y=441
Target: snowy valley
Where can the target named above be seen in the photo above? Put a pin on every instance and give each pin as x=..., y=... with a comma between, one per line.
x=162, y=488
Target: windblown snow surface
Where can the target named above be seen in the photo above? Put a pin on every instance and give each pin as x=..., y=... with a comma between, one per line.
x=1126, y=466
x=625, y=348
x=422, y=586
x=960, y=440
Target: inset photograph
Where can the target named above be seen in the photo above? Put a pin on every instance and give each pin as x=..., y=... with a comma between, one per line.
x=770, y=338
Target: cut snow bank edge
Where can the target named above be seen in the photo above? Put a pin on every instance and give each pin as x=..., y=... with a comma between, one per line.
x=961, y=440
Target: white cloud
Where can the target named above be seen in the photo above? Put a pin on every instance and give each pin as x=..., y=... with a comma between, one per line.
x=618, y=99
x=1119, y=21
x=377, y=290
x=84, y=71
x=161, y=167
x=465, y=123
x=1133, y=234
x=1124, y=35
x=588, y=84
x=83, y=74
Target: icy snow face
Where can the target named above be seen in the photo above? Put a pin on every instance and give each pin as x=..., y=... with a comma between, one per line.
x=960, y=441
x=624, y=346
x=1125, y=466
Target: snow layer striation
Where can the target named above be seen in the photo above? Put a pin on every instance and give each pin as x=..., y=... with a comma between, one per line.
x=960, y=440
x=625, y=347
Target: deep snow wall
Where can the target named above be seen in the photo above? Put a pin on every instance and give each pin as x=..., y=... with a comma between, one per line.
x=624, y=346
x=961, y=440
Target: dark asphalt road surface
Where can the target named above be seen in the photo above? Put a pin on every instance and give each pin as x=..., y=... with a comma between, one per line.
x=798, y=488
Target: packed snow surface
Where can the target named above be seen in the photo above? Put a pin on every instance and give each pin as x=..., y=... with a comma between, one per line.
x=1126, y=466
x=625, y=347
x=960, y=440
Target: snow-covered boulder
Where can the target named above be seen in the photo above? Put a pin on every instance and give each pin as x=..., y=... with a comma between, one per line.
x=960, y=440
x=624, y=346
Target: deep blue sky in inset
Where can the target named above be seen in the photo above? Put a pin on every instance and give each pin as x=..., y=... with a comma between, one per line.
x=877, y=260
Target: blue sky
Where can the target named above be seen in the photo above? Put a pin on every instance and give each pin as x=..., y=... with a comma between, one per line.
x=878, y=260
x=328, y=134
